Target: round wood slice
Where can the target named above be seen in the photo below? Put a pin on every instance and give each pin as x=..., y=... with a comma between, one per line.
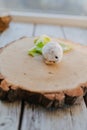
x=29, y=78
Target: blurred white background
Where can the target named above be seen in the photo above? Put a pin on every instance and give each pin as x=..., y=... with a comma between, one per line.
x=71, y=7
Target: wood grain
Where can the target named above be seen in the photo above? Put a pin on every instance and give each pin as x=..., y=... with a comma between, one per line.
x=38, y=118
x=78, y=116
x=71, y=88
x=79, y=119
x=78, y=35
x=65, y=119
x=10, y=113
x=51, y=30
x=41, y=119
x=68, y=119
x=14, y=32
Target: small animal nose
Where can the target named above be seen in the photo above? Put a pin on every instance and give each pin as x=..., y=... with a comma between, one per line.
x=56, y=57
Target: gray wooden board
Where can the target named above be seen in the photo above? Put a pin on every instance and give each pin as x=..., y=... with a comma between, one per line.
x=10, y=112
x=79, y=116
x=50, y=30
x=41, y=119
x=77, y=35
x=14, y=32
x=73, y=118
x=9, y=115
x=68, y=119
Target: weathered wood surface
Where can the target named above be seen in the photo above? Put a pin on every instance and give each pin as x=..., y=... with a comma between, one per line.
x=14, y=32
x=51, y=30
x=10, y=113
x=38, y=118
x=77, y=35
x=69, y=119
x=41, y=119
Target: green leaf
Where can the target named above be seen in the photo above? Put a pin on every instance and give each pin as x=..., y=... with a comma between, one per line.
x=35, y=51
x=32, y=52
x=39, y=50
x=43, y=38
x=41, y=41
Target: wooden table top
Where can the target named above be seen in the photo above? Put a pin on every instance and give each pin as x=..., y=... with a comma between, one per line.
x=21, y=115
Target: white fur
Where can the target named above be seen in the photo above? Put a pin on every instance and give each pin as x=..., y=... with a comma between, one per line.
x=52, y=52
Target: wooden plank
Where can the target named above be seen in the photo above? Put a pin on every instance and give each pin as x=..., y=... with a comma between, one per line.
x=50, y=30
x=14, y=32
x=45, y=18
x=79, y=116
x=9, y=115
x=66, y=119
x=41, y=119
x=10, y=112
x=77, y=35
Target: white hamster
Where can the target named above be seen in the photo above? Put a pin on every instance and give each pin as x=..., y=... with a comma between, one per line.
x=52, y=53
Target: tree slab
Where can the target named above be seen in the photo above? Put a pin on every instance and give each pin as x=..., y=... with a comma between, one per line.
x=23, y=77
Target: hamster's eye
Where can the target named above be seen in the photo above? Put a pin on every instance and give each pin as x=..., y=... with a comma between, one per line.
x=56, y=57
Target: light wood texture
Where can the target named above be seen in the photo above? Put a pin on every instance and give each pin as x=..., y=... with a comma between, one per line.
x=9, y=116
x=77, y=35
x=14, y=32
x=69, y=119
x=79, y=120
x=74, y=118
x=51, y=30
x=10, y=113
x=78, y=117
x=41, y=119
x=72, y=77
x=37, y=18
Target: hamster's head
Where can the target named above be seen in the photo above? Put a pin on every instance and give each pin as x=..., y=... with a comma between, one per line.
x=52, y=53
